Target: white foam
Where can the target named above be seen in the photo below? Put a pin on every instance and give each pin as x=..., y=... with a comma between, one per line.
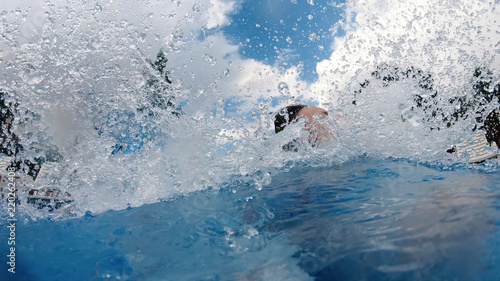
x=79, y=81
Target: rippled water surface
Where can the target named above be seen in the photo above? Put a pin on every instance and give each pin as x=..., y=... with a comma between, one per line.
x=363, y=220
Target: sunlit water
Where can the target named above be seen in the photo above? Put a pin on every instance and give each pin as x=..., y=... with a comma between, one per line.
x=187, y=180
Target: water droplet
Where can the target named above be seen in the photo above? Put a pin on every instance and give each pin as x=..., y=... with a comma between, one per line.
x=142, y=37
x=313, y=37
x=226, y=72
x=310, y=2
x=176, y=41
x=289, y=40
x=252, y=232
x=97, y=9
x=321, y=48
x=150, y=15
x=257, y=25
x=283, y=88
x=294, y=2
x=300, y=65
x=196, y=7
x=209, y=59
x=310, y=17
x=34, y=80
x=266, y=179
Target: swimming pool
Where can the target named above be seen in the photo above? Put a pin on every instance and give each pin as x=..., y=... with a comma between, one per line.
x=363, y=220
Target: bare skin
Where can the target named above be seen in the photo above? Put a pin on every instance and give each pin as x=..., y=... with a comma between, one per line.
x=318, y=133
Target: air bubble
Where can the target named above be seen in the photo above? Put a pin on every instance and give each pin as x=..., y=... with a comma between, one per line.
x=252, y=232
x=266, y=179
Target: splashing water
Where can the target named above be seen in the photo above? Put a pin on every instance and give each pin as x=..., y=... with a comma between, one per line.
x=127, y=130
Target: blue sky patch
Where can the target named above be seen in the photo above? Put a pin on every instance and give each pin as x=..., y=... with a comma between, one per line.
x=286, y=33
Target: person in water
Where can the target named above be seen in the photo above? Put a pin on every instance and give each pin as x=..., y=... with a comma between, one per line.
x=317, y=132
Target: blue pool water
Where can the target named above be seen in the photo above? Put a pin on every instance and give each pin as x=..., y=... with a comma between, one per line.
x=362, y=220
x=152, y=123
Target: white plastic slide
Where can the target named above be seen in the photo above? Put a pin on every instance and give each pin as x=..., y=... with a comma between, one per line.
x=478, y=149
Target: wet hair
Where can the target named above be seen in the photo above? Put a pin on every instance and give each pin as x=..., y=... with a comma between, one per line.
x=285, y=116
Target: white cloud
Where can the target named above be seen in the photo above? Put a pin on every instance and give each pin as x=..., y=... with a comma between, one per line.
x=218, y=12
x=203, y=62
